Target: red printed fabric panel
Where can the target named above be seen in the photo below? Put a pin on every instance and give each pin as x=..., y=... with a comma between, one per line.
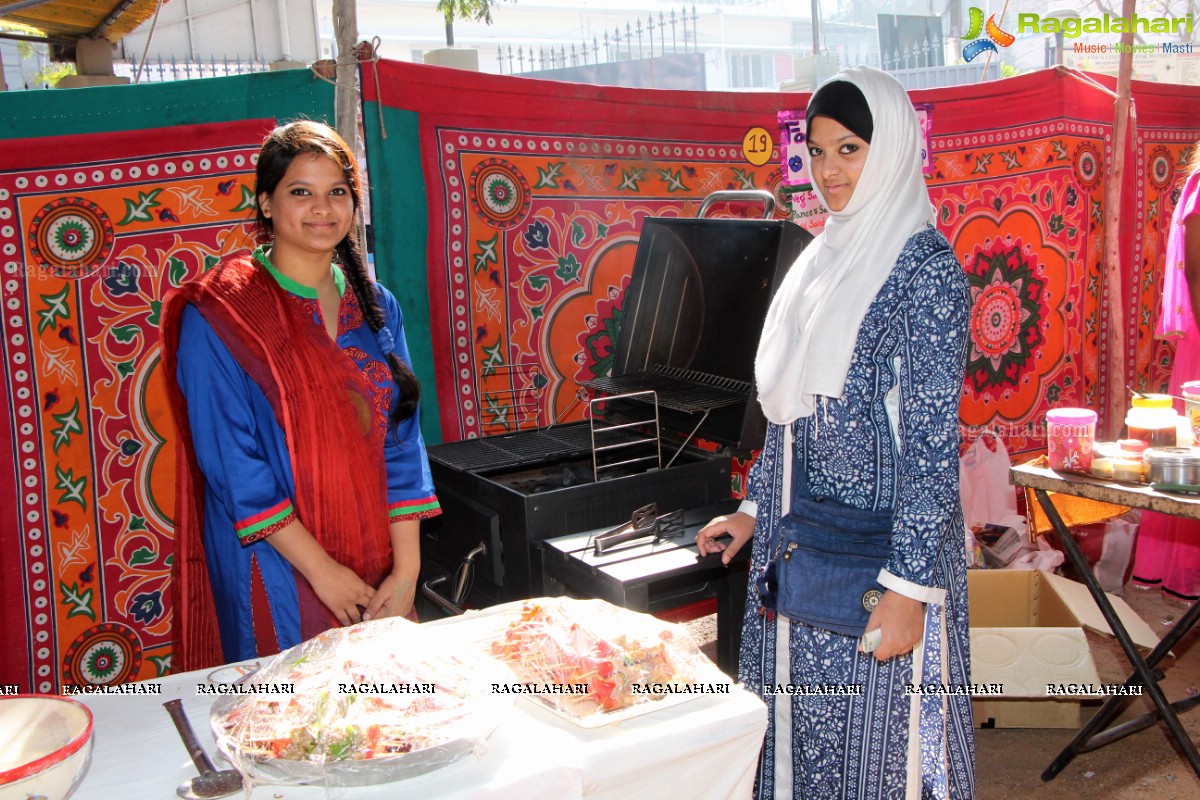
x=1158, y=170
x=90, y=246
x=1022, y=209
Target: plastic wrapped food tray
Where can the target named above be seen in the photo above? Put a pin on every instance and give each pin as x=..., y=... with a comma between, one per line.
x=594, y=663
x=371, y=703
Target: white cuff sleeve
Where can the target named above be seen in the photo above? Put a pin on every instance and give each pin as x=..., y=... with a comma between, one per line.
x=925, y=594
x=749, y=507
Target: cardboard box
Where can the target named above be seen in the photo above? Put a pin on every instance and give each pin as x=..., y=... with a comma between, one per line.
x=1027, y=634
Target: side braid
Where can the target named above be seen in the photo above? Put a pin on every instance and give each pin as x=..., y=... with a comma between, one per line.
x=406, y=383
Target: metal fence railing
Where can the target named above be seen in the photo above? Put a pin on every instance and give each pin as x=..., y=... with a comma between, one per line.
x=668, y=34
x=158, y=70
x=925, y=55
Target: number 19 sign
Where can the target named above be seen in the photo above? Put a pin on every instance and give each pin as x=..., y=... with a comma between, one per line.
x=793, y=145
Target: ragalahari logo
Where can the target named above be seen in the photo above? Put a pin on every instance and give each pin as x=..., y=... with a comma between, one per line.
x=995, y=36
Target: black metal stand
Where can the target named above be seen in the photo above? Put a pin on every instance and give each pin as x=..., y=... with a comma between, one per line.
x=731, y=608
x=1095, y=733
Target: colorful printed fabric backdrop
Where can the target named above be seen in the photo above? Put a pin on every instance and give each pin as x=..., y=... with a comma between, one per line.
x=506, y=216
x=535, y=193
x=94, y=229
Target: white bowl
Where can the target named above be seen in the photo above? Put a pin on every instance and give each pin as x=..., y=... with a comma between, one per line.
x=48, y=745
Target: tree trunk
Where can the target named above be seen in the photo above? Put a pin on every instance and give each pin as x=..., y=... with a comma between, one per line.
x=449, y=33
x=345, y=23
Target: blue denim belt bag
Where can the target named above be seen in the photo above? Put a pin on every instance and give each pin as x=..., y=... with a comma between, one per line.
x=827, y=561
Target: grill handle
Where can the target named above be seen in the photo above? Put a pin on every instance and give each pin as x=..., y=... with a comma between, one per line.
x=428, y=588
x=740, y=196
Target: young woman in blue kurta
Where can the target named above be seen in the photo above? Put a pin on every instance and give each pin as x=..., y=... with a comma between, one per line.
x=860, y=369
x=302, y=468
x=243, y=454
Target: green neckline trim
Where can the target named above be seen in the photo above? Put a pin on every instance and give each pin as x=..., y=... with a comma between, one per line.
x=295, y=287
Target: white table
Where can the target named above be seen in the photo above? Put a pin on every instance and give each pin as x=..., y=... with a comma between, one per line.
x=704, y=748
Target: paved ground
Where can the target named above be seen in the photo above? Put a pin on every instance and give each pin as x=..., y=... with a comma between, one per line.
x=1145, y=766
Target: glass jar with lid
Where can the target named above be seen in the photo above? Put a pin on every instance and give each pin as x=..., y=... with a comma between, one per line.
x=1152, y=419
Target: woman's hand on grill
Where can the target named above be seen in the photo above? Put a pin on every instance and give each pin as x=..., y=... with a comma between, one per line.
x=738, y=525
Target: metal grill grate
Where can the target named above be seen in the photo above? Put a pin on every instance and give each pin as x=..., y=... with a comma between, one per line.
x=521, y=449
x=678, y=389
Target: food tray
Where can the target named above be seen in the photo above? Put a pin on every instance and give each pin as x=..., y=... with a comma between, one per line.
x=371, y=703
x=612, y=664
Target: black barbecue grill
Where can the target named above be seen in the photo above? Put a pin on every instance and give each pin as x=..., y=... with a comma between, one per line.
x=697, y=299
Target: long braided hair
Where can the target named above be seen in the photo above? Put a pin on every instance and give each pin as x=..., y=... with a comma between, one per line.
x=278, y=151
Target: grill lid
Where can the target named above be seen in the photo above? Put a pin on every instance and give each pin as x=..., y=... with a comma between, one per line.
x=697, y=298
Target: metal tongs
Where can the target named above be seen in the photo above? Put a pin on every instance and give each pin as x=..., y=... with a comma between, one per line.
x=644, y=522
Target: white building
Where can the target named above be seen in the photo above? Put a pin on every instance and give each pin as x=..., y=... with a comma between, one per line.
x=749, y=45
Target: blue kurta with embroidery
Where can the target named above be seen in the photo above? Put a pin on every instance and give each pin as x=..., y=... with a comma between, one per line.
x=242, y=451
x=890, y=442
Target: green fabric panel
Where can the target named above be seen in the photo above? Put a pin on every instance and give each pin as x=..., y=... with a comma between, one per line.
x=286, y=94
x=401, y=225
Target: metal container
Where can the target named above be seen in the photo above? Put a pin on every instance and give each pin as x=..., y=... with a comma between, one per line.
x=1178, y=466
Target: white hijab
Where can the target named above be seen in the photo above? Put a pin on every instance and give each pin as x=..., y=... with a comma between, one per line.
x=812, y=325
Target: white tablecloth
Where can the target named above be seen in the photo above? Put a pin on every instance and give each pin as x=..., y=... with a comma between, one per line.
x=705, y=748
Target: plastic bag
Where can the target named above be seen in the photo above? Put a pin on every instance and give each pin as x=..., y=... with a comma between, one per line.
x=987, y=496
x=1119, y=534
x=1045, y=558
x=370, y=703
x=595, y=663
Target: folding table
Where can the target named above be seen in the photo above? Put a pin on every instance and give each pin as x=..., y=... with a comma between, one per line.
x=1097, y=733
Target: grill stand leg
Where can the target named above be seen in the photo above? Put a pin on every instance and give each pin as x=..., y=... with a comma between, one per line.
x=731, y=606
x=1143, y=675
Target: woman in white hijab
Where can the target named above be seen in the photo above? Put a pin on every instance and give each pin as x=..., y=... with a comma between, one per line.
x=859, y=370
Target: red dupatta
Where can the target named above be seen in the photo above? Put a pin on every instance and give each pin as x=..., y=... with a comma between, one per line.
x=321, y=401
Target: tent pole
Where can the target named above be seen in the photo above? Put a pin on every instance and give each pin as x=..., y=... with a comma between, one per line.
x=1114, y=294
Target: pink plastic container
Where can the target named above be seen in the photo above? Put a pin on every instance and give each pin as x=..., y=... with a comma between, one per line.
x=1070, y=434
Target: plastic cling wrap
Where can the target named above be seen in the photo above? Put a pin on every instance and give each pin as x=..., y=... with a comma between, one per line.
x=595, y=663
x=370, y=703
